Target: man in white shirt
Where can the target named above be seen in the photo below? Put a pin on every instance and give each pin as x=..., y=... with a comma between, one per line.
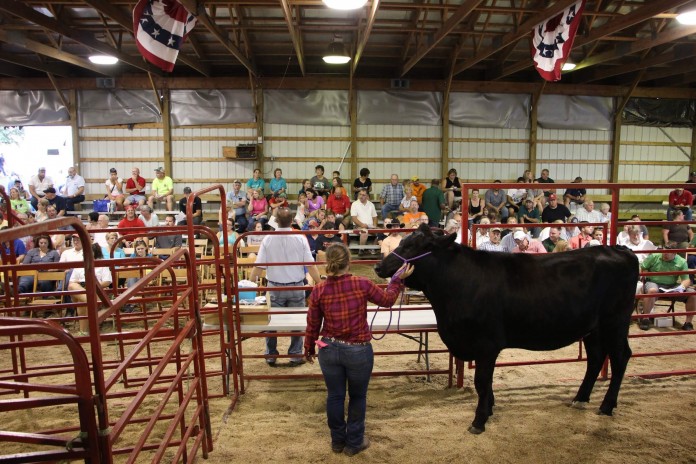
x=74, y=189
x=100, y=237
x=37, y=185
x=587, y=213
x=285, y=249
x=364, y=217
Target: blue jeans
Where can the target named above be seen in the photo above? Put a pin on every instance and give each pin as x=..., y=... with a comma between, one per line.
x=386, y=209
x=289, y=299
x=342, y=363
x=687, y=213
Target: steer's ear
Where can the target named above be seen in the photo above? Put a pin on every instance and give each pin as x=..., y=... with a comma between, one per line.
x=445, y=240
x=425, y=230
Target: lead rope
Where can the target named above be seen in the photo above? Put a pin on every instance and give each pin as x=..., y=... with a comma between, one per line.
x=401, y=300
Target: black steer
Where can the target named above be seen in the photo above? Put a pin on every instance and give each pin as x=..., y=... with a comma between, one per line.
x=485, y=302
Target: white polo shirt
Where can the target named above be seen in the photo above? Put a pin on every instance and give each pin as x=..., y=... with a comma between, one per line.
x=364, y=212
x=285, y=249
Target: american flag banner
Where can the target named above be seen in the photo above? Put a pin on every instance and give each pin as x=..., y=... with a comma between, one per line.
x=552, y=41
x=160, y=28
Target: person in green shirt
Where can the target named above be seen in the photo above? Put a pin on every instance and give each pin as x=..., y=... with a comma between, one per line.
x=162, y=190
x=673, y=283
x=434, y=203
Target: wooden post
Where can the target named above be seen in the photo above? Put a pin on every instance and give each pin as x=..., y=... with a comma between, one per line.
x=533, y=130
x=444, y=149
x=616, y=148
x=693, y=149
x=353, y=105
x=259, y=128
x=167, y=132
x=74, y=129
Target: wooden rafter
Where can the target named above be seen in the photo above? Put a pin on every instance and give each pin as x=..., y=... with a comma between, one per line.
x=294, y=34
x=513, y=36
x=21, y=40
x=452, y=22
x=126, y=22
x=55, y=68
x=59, y=27
x=624, y=49
x=365, y=35
x=639, y=15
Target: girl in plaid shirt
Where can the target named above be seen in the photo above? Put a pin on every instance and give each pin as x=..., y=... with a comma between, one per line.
x=345, y=354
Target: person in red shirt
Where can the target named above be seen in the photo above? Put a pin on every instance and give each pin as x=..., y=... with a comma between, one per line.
x=338, y=306
x=583, y=238
x=339, y=203
x=131, y=220
x=680, y=199
x=135, y=189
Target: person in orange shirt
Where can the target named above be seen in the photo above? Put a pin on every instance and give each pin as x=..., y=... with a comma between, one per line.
x=414, y=218
x=417, y=189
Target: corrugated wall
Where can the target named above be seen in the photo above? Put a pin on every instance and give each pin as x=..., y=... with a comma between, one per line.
x=104, y=148
x=484, y=155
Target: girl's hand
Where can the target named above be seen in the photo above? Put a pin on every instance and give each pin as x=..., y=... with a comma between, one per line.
x=405, y=271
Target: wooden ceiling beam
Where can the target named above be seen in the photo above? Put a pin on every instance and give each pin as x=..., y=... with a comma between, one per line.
x=649, y=10
x=452, y=22
x=21, y=40
x=294, y=34
x=624, y=49
x=222, y=37
x=364, y=37
x=677, y=53
x=29, y=14
x=524, y=30
x=679, y=67
x=126, y=22
x=13, y=58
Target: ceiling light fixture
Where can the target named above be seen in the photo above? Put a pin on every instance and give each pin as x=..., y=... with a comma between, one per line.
x=345, y=4
x=567, y=66
x=103, y=59
x=687, y=18
x=336, y=53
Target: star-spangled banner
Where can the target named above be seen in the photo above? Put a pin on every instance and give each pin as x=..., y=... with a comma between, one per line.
x=160, y=28
x=552, y=41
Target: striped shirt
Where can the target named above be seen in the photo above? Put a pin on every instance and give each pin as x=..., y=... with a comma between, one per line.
x=490, y=246
x=341, y=303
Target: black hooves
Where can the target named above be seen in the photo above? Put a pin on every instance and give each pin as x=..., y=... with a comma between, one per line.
x=476, y=431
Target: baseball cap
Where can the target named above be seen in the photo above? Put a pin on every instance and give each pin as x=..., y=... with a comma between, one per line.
x=42, y=168
x=187, y=189
x=519, y=235
x=131, y=206
x=496, y=228
x=414, y=178
x=236, y=181
x=50, y=190
x=552, y=196
x=113, y=170
x=159, y=169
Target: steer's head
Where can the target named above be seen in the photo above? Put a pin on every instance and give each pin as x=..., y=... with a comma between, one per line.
x=419, y=248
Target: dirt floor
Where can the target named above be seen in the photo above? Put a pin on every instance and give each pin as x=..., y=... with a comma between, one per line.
x=412, y=420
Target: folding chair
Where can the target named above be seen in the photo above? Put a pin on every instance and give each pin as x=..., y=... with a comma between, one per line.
x=57, y=279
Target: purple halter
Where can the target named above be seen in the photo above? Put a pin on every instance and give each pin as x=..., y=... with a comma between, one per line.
x=395, y=276
x=406, y=261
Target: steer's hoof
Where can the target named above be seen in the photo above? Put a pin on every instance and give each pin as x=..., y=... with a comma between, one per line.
x=604, y=413
x=579, y=404
x=476, y=431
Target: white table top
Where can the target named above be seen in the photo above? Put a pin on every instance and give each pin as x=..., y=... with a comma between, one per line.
x=416, y=319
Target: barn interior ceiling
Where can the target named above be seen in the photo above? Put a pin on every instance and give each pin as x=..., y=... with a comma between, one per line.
x=619, y=42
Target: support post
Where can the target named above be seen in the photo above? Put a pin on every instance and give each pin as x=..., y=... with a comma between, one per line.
x=167, y=131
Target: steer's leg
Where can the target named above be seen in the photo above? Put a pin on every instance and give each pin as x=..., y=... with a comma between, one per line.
x=483, y=381
x=619, y=354
x=595, y=359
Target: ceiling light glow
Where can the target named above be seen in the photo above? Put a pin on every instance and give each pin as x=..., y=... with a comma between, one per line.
x=103, y=59
x=687, y=18
x=345, y=4
x=567, y=66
